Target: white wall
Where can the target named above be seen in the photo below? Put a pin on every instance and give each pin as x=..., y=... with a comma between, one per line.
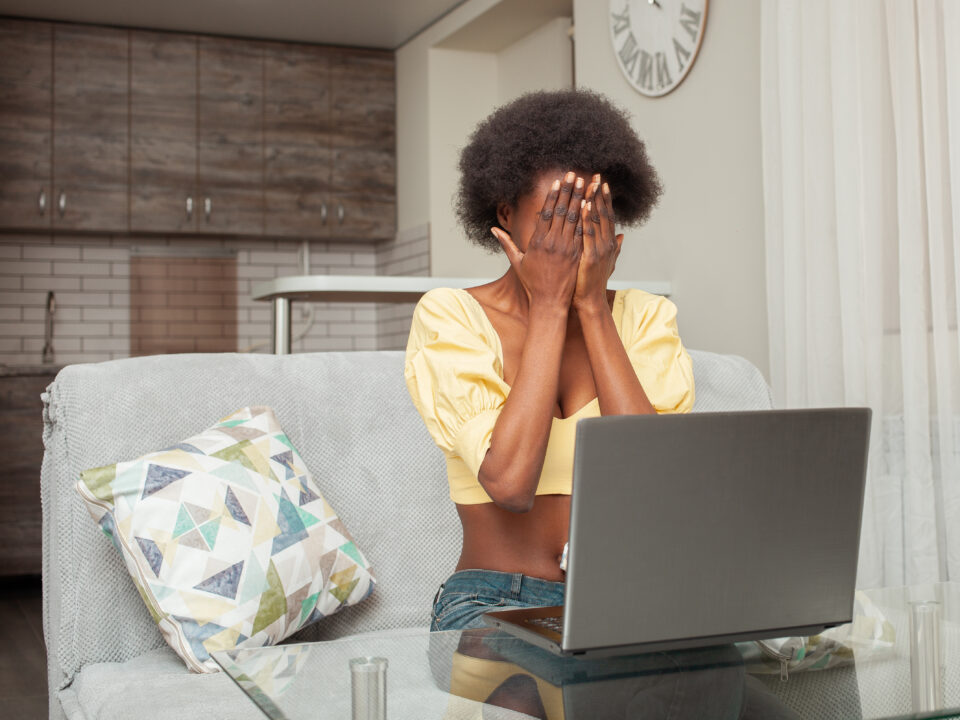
x=449, y=78
x=542, y=60
x=706, y=236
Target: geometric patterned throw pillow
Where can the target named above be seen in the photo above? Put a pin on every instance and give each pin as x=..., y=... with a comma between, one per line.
x=227, y=538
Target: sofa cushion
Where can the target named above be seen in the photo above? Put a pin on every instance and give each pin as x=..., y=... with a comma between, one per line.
x=227, y=537
x=157, y=680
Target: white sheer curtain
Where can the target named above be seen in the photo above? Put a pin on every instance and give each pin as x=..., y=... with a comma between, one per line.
x=861, y=174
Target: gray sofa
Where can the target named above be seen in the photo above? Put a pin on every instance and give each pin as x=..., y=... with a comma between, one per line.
x=350, y=417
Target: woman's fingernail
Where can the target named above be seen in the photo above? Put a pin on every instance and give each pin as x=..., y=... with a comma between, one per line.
x=589, y=205
x=582, y=203
x=606, y=189
x=556, y=185
x=569, y=177
x=493, y=231
x=596, y=178
x=579, y=183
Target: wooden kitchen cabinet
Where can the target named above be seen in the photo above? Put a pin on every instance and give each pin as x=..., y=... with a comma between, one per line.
x=26, y=123
x=296, y=130
x=21, y=445
x=163, y=132
x=363, y=201
x=113, y=130
x=90, y=70
x=230, y=136
x=329, y=120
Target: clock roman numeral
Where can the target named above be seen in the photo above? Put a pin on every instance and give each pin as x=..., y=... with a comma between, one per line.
x=629, y=52
x=681, y=52
x=663, y=74
x=690, y=21
x=621, y=22
x=645, y=75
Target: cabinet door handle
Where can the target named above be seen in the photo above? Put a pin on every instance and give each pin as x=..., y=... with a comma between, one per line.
x=42, y=201
x=207, y=208
x=323, y=213
x=189, y=208
x=62, y=202
x=340, y=213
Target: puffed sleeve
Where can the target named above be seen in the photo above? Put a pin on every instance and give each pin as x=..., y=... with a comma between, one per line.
x=454, y=374
x=649, y=332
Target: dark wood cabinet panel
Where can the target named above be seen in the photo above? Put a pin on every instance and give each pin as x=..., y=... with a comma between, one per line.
x=21, y=445
x=26, y=121
x=364, y=161
x=364, y=99
x=90, y=127
x=297, y=152
x=361, y=217
x=145, y=131
x=230, y=136
x=163, y=132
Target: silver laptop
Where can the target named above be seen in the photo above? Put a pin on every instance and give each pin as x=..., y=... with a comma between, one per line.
x=707, y=528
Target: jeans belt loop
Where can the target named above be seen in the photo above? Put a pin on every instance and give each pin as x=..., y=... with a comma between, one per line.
x=515, y=585
x=437, y=596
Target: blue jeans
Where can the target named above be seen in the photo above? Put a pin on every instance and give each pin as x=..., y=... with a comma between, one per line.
x=462, y=600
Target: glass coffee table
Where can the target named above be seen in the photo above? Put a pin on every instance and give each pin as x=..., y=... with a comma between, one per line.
x=905, y=663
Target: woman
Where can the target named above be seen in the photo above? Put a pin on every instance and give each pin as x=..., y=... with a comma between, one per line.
x=501, y=373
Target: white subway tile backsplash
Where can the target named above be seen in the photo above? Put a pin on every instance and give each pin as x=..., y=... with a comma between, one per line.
x=81, y=268
x=106, y=283
x=83, y=299
x=106, y=254
x=25, y=267
x=80, y=329
x=50, y=252
x=106, y=314
x=264, y=257
x=61, y=314
x=257, y=272
x=20, y=329
x=106, y=344
x=60, y=344
x=90, y=277
x=353, y=329
x=23, y=298
x=49, y=282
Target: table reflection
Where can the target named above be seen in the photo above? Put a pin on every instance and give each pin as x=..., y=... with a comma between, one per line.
x=507, y=673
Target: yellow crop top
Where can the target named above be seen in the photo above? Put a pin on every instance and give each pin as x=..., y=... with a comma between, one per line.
x=454, y=372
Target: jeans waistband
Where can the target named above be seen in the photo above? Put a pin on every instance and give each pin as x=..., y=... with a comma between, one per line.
x=504, y=584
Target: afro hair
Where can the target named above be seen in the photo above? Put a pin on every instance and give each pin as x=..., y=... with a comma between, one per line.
x=559, y=130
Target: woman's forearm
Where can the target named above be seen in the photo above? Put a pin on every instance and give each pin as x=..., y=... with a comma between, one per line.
x=618, y=389
x=510, y=471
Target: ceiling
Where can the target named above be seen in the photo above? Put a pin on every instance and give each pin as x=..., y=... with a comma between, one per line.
x=360, y=23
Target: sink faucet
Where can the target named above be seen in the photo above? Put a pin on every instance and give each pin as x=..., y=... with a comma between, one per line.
x=48, y=329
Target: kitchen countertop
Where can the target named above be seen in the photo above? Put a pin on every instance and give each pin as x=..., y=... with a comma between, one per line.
x=388, y=288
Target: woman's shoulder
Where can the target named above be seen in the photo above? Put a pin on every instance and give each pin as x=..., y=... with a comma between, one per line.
x=637, y=300
x=445, y=311
x=444, y=303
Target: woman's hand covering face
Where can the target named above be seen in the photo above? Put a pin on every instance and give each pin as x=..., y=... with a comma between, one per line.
x=571, y=249
x=548, y=265
x=601, y=244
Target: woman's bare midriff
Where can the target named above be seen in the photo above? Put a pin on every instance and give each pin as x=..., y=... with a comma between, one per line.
x=530, y=543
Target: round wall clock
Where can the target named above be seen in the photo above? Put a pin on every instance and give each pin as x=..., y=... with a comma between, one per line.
x=656, y=41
